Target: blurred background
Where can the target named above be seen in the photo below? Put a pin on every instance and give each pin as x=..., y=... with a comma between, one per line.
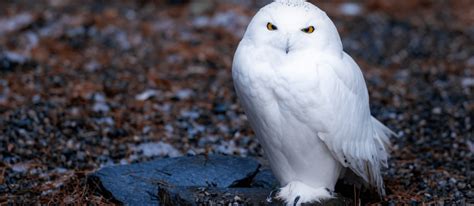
x=88, y=84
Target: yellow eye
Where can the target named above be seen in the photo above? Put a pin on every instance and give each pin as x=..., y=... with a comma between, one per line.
x=308, y=30
x=271, y=27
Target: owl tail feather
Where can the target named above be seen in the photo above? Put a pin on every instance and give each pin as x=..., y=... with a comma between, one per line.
x=382, y=137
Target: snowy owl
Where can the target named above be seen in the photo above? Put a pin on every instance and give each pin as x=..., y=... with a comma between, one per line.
x=307, y=102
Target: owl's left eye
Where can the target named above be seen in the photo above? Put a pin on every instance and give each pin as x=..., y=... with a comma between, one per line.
x=271, y=27
x=308, y=30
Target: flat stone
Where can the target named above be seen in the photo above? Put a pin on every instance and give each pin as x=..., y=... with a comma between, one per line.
x=138, y=184
x=192, y=180
x=265, y=179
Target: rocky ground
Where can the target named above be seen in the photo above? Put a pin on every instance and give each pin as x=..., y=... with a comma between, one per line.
x=88, y=84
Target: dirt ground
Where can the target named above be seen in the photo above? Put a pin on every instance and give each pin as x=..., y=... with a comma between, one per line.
x=88, y=84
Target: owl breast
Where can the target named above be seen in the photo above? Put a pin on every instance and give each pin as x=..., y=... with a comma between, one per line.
x=277, y=94
x=289, y=79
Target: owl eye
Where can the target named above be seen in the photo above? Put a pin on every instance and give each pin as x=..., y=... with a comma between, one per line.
x=308, y=30
x=271, y=27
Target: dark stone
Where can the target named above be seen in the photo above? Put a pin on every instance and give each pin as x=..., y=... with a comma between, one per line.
x=265, y=179
x=9, y=61
x=139, y=183
x=338, y=201
x=213, y=196
x=230, y=196
x=195, y=180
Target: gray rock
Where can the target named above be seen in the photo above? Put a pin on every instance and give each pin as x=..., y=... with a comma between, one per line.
x=11, y=60
x=195, y=180
x=265, y=179
x=138, y=184
x=200, y=7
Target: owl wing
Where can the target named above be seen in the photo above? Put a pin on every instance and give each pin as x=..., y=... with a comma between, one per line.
x=355, y=138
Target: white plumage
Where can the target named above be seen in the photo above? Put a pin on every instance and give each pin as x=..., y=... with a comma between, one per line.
x=307, y=102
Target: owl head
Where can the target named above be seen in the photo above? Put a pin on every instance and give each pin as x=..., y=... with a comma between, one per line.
x=289, y=26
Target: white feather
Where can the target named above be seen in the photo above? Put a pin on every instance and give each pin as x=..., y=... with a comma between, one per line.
x=357, y=139
x=291, y=2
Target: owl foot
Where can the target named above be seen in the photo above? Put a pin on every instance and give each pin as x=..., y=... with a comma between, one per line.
x=296, y=193
x=272, y=195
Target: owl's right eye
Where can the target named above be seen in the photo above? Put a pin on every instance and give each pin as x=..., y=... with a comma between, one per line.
x=271, y=27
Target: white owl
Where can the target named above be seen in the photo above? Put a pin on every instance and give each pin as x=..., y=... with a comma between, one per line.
x=307, y=102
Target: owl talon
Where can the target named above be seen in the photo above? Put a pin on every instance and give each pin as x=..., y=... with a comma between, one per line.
x=272, y=195
x=296, y=200
x=330, y=192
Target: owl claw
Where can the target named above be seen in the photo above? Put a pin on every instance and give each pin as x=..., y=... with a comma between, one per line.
x=296, y=200
x=272, y=195
x=330, y=192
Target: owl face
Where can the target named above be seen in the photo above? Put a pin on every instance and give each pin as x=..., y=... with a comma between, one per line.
x=287, y=29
